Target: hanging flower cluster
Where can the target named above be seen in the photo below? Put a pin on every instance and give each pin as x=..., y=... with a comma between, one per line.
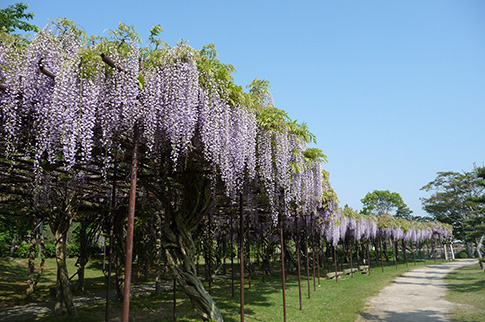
x=64, y=98
x=348, y=223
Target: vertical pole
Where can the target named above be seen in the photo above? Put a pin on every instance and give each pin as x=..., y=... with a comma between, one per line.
x=248, y=251
x=110, y=256
x=342, y=257
x=351, y=262
x=414, y=253
x=433, y=250
x=282, y=265
x=405, y=253
x=376, y=252
x=313, y=257
x=197, y=249
x=368, y=254
x=307, y=257
x=232, y=255
x=129, y=233
x=209, y=264
x=262, y=244
x=380, y=246
x=297, y=244
x=174, y=309
x=318, y=260
x=424, y=252
x=241, y=254
x=224, y=255
x=110, y=263
x=335, y=261
x=395, y=253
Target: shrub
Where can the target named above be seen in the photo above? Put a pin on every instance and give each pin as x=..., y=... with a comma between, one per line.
x=50, y=250
x=22, y=251
x=4, y=249
x=461, y=254
x=72, y=250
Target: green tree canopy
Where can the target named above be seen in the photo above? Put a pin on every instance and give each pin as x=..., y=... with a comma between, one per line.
x=452, y=198
x=13, y=17
x=476, y=224
x=381, y=202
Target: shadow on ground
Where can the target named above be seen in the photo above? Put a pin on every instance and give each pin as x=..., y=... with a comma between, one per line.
x=416, y=316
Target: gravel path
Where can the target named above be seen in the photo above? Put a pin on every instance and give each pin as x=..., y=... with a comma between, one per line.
x=417, y=295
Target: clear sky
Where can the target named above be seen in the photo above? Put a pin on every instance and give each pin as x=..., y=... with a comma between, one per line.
x=393, y=90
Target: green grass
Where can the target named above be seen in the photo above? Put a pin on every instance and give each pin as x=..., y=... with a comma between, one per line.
x=467, y=287
x=333, y=301
x=13, y=280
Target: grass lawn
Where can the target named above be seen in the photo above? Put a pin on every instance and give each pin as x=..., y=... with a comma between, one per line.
x=467, y=287
x=333, y=301
x=13, y=280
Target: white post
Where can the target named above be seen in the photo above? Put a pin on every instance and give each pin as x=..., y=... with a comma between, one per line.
x=446, y=252
x=452, y=252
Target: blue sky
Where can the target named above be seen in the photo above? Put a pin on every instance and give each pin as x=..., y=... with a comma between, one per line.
x=393, y=90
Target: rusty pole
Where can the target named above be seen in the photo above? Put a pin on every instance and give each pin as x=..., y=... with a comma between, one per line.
x=297, y=243
x=318, y=260
x=307, y=258
x=241, y=254
x=414, y=253
x=313, y=256
x=111, y=244
x=335, y=261
x=282, y=265
x=262, y=244
x=382, y=261
x=209, y=264
x=232, y=254
x=404, y=251
x=351, y=259
x=368, y=254
x=174, y=308
x=129, y=233
x=395, y=252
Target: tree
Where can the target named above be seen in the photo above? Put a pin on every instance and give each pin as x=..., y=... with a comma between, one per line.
x=12, y=18
x=476, y=224
x=452, y=201
x=381, y=202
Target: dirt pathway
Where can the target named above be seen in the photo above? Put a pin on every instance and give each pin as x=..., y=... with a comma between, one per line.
x=415, y=296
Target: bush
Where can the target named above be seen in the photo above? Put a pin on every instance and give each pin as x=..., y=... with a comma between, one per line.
x=22, y=251
x=72, y=250
x=50, y=250
x=4, y=249
x=461, y=254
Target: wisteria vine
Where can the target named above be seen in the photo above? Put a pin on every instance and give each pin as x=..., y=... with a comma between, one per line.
x=63, y=102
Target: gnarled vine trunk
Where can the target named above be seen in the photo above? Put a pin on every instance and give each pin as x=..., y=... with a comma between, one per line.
x=64, y=296
x=180, y=253
x=193, y=201
x=31, y=265
x=83, y=256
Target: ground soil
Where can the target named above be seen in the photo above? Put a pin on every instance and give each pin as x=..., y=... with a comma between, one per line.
x=416, y=296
